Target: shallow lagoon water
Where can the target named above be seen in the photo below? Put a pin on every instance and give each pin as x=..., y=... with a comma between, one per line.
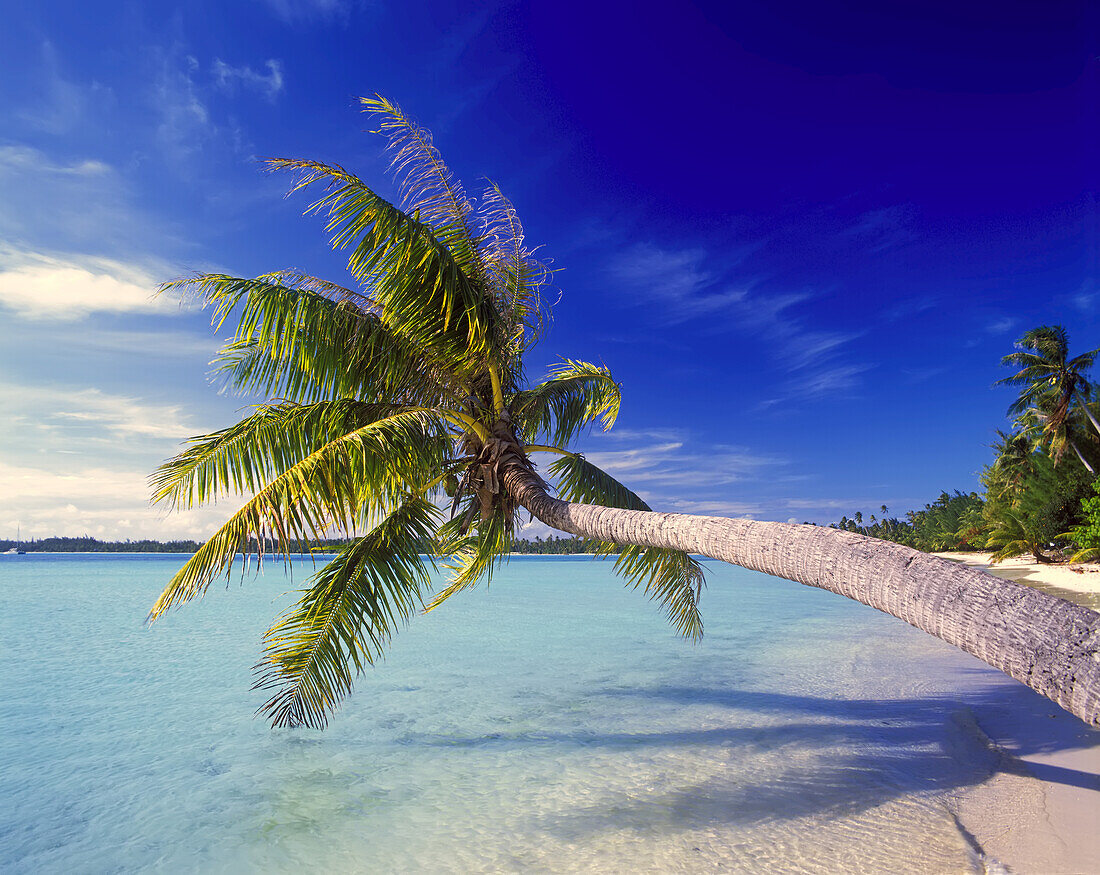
x=552, y=722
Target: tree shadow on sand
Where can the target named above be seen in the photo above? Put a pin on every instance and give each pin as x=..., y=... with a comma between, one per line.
x=793, y=756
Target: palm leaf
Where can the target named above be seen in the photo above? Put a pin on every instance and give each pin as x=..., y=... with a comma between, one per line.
x=576, y=395
x=671, y=577
x=417, y=283
x=471, y=557
x=426, y=185
x=335, y=487
x=515, y=276
x=294, y=341
x=343, y=622
x=246, y=456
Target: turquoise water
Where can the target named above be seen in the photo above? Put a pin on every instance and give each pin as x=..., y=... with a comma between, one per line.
x=550, y=723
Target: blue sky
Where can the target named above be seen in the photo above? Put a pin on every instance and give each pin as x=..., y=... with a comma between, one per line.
x=801, y=235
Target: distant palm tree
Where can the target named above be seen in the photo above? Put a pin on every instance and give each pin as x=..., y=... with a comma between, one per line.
x=1013, y=461
x=1053, y=385
x=414, y=383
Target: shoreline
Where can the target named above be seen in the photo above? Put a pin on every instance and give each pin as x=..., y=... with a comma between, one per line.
x=1038, y=811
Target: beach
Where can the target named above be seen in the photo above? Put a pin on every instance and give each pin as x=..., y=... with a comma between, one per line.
x=1040, y=811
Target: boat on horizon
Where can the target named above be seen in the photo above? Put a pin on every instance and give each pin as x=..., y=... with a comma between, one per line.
x=17, y=550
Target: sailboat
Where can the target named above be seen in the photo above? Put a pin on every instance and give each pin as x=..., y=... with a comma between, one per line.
x=16, y=550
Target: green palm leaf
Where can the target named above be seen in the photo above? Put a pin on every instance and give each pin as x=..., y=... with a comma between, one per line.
x=470, y=557
x=294, y=341
x=426, y=185
x=417, y=283
x=671, y=577
x=334, y=488
x=344, y=620
x=246, y=456
x=576, y=395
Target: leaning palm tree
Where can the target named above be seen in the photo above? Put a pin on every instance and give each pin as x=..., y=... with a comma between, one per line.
x=411, y=385
x=1053, y=384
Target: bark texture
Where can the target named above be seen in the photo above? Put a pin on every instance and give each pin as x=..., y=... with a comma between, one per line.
x=1049, y=644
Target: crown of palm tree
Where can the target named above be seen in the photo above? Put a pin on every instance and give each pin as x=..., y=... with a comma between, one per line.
x=381, y=397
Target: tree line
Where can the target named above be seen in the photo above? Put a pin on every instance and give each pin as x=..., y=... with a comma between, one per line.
x=1041, y=493
x=550, y=546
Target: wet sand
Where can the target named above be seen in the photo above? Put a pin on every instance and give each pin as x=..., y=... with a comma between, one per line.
x=1040, y=810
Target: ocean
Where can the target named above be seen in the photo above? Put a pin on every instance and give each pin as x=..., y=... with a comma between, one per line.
x=552, y=722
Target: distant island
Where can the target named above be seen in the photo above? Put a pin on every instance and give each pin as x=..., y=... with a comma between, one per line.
x=549, y=546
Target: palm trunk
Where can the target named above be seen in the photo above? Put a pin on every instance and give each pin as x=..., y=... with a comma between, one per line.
x=1049, y=644
x=1085, y=406
x=1082, y=458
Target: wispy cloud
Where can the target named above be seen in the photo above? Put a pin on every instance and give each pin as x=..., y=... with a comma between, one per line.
x=307, y=10
x=185, y=124
x=89, y=414
x=62, y=103
x=99, y=500
x=675, y=280
x=682, y=288
x=229, y=78
x=39, y=286
x=81, y=204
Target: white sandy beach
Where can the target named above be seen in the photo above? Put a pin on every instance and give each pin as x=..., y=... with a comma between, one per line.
x=1083, y=577
x=1040, y=812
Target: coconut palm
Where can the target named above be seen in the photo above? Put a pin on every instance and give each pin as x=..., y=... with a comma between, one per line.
x=1054, y=385
x=412, y=384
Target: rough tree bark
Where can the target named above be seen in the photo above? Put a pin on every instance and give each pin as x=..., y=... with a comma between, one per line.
x=1049, y=644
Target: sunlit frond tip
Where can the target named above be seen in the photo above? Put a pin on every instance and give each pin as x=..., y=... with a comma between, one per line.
x=344, y=621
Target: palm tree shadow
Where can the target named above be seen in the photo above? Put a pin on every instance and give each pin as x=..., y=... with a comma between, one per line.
x=793, y=756
x=850, y=756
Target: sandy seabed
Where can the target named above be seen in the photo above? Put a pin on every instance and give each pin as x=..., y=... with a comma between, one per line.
x=1040, y=811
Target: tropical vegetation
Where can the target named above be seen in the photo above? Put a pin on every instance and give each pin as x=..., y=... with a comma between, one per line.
x=1038, y=499
x=401, y=417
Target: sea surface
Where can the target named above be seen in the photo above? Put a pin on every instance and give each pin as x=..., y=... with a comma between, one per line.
x=550, y=723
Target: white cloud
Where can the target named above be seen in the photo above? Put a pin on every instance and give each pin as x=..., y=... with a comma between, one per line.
x=39, y=286
x=305, y=10
x=269, y=84
x=674, y=279
x=61, y=104
x=26, y=159
x=106, y=502
x=74, y=204
x=185, y=124
x=95, y=415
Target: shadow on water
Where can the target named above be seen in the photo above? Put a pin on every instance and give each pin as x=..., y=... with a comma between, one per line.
x=826, y=757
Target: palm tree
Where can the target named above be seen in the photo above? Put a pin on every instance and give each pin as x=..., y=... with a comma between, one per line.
x=1053, y=384
x=413, y=384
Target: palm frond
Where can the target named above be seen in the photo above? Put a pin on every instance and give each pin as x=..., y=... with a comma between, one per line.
x=516, y=278
x=426, y=185
x=474, y=556
x=671, y=577
x=345, y=619
x=246, y=456
x=334, y=488
x=576, y=395
x=417, y=283
x=294, y=341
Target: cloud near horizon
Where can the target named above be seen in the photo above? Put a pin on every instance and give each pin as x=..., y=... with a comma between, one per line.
x=67, y=287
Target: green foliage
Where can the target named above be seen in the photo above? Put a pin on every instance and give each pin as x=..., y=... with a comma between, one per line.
x=1086, y=535
x=952, y=522
x=1036, y=489
x=346, y=618
x=381, y=397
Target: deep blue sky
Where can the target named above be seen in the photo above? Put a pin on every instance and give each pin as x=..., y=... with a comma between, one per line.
x=802, y=235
